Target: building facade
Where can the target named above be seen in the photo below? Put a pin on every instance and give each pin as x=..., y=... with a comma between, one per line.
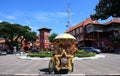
x=92, y=33
x=44, y=34
x=2, y=44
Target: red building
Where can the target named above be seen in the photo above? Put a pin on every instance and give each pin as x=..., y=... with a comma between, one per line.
x=20, y=39
x=41, y=43
x=37, y=42
x=2, y=44
x=92, y=33
x=44, y=34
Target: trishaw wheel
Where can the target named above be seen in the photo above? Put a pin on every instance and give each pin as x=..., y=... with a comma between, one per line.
x=51, y=67
x=72, y=67
x=56, y=72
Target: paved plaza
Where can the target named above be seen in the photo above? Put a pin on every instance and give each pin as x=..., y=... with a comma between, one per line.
x=12, y=65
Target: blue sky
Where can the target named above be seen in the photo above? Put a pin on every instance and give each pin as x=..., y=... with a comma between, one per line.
x=46, y=13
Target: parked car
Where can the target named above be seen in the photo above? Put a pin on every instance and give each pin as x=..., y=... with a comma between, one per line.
x=3, y=53
x=91, y=49
x=9, y=51
x=117, y=51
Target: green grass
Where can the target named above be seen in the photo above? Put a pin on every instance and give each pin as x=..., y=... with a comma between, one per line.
x=40, y=54
x=82, y=53
x=85, y=55
x=79, y=53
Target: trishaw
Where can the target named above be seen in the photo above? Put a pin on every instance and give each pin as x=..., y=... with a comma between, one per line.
x=63, y=53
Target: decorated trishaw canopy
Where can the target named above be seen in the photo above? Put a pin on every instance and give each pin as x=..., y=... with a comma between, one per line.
x=65, y=36
x=65, y=41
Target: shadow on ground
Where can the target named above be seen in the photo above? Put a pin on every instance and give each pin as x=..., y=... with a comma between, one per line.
x=45, y=70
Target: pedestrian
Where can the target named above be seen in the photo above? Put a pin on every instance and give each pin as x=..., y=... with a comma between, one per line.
x=14, y=49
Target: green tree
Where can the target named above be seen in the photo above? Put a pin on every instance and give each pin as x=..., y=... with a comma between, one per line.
x=30, y=36
x=11, y=33
x=52, y=36
x=106, y=8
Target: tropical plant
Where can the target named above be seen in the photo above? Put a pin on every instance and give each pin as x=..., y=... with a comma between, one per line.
x=52, y=36
x=11, y=33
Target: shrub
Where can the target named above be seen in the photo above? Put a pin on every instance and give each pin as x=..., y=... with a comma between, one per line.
x=81, y=52
x=85, y=54
x=40, y=54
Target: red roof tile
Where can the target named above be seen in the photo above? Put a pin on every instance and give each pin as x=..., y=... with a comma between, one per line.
x=112, y=21
x=84, y=23
x=2, y=41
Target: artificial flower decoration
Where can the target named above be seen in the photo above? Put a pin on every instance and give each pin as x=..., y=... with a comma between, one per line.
x=69, y=60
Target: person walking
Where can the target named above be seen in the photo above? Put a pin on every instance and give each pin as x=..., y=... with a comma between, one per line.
x=14, y=50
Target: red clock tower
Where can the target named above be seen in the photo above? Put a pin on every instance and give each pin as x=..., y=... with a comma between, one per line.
x=44, y=34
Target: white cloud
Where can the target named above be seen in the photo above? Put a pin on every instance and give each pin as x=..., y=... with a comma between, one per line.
x=56, y=14
x=37, y=15
x=0, y=21
x=10, y=17
x=42, y=18
x=49, y=16
x=61, y=14
x=37, y=18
